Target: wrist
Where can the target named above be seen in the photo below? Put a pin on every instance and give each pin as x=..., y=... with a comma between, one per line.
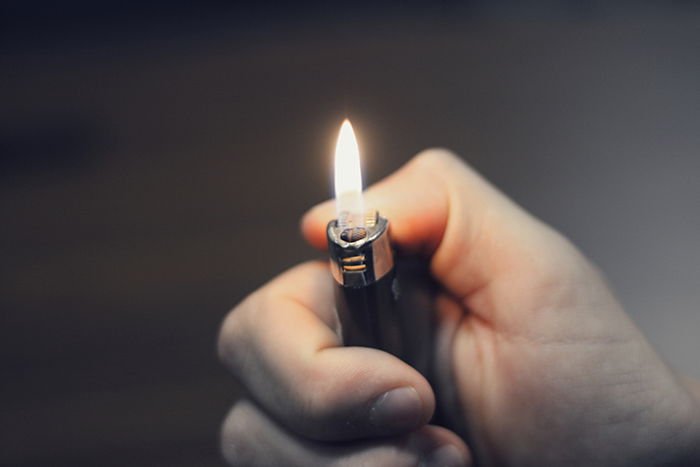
x=679, y=443
x=659, y=424
x=691, y=455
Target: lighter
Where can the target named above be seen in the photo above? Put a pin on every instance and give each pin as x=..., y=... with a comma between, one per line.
x=367, y=291
x=362, y=260
x=371, y=310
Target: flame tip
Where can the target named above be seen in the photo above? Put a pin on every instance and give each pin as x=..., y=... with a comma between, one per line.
x=348, y=177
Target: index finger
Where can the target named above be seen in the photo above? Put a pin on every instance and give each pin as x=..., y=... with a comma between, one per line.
x=439, y=207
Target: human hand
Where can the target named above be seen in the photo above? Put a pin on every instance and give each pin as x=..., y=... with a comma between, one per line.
x=537, y=364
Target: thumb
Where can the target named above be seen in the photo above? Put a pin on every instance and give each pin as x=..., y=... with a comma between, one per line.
x=441, y=208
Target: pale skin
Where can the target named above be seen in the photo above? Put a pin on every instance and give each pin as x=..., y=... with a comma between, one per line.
x=538, y=364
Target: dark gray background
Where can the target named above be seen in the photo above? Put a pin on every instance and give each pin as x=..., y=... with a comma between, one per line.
x=156, y=159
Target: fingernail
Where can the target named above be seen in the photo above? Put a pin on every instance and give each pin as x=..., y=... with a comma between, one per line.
x=444, y=456
x=398, y=408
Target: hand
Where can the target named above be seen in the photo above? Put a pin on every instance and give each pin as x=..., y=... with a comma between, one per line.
x=537, y=362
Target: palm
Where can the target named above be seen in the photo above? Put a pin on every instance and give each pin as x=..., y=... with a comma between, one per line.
x=552, y=372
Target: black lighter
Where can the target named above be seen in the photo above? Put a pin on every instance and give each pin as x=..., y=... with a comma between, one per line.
x=371, y=310
x=362, y=259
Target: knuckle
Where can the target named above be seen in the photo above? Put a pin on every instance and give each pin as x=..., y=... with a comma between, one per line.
x=235, y=333
x=560, y=274
x=559, y=259
x=232, y=332
x=225, y=342
x=236, y=442
x=440, y=158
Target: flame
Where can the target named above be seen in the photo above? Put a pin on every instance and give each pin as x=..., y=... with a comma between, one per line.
x=348, y=179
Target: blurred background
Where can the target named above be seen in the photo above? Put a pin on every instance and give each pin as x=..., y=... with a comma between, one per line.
x=155, y=159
